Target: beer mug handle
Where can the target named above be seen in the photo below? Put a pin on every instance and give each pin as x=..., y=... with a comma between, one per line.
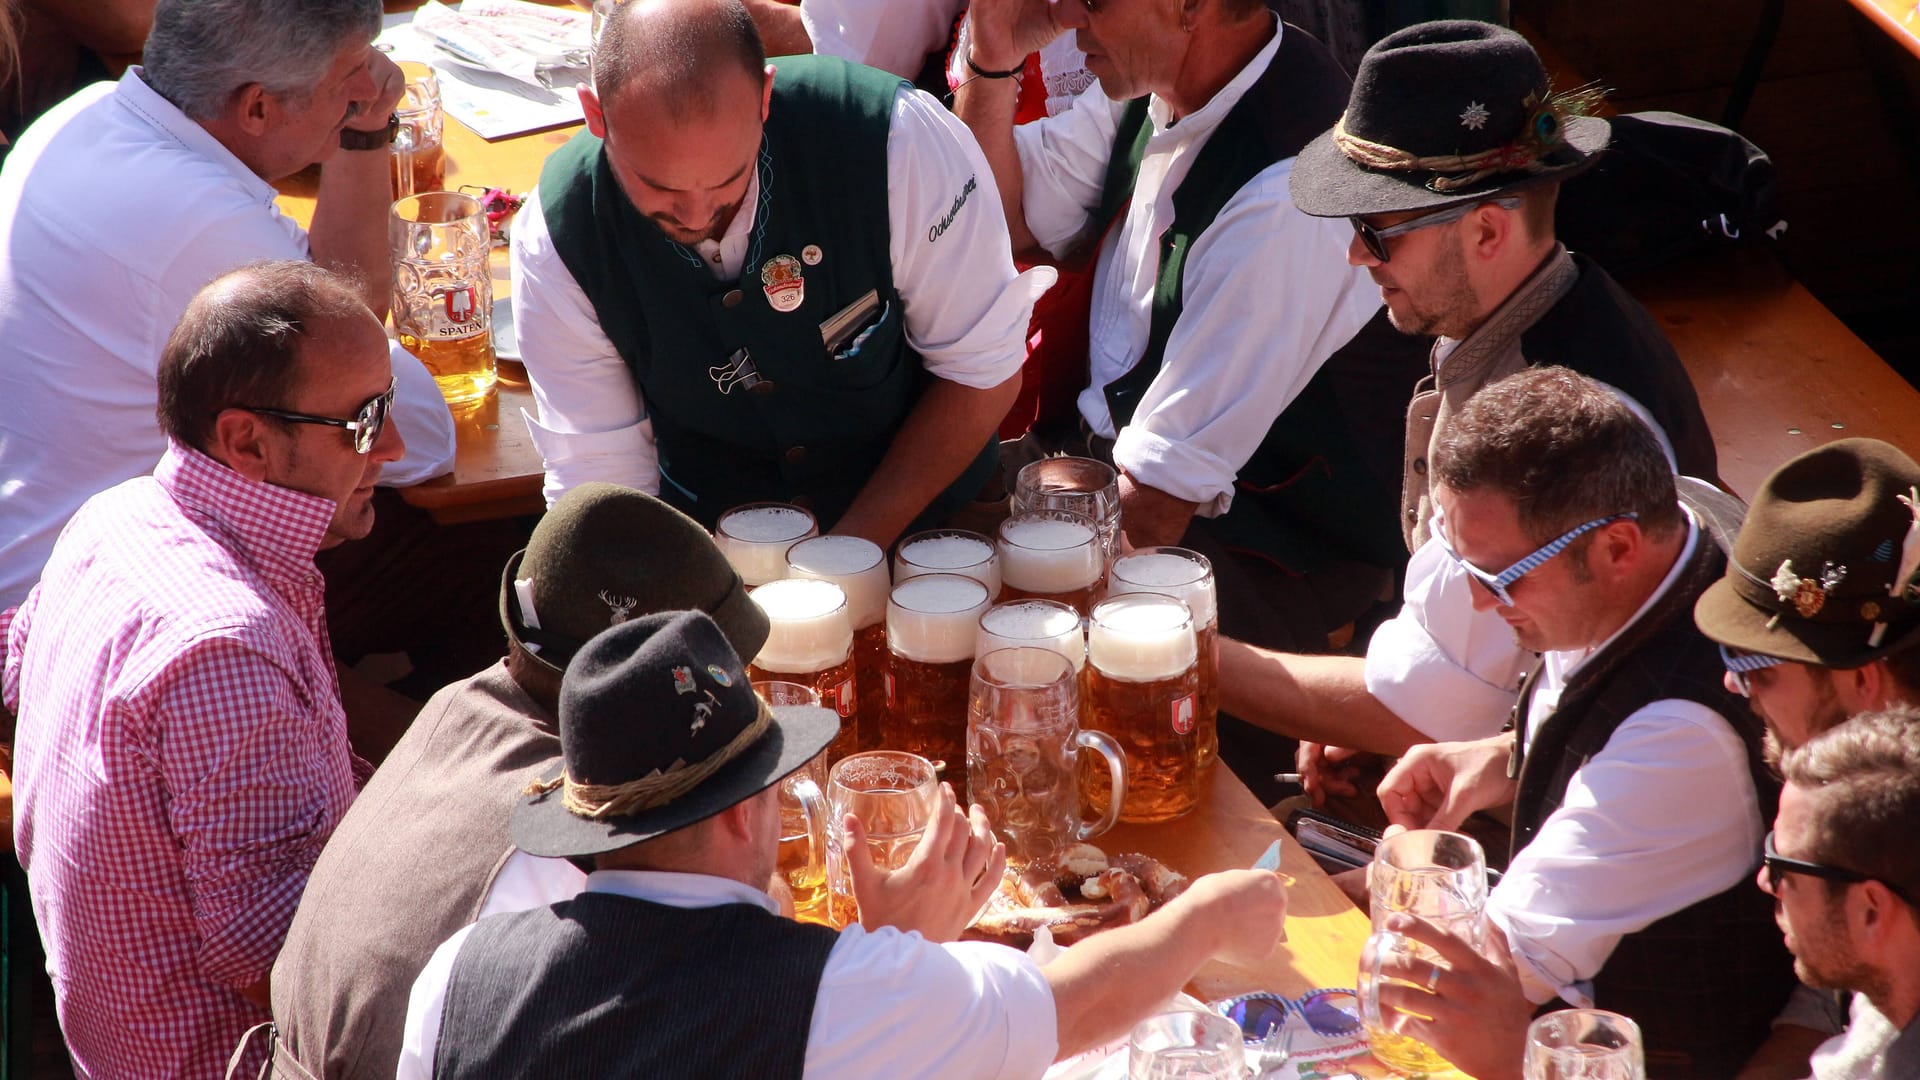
x=403, y=150
x=1104, y=744
x=813, y=804
x=1379, y=944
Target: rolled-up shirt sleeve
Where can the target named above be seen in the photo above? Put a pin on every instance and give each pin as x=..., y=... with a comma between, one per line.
x=1448, y=670
x=1268, y=296
x=593, y=422
x=1063, y=168
x=967, y=309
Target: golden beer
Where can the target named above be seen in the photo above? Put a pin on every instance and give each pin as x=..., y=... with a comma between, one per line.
x=1440, y=877
x=810, y=642
x=1145, y=691
x=932, y=621
x=423, y=168
x=1054, y=555
x=755, y=538
x=1187, y=575
x=949, y=551
x=804, y=868
x=419, y=156
x=893, y=796
x=463, y=368
x=859, y=567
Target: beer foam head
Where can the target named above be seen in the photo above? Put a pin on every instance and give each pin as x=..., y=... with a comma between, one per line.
x=1140, y=637
x=1187, y=577
x=857, y=566
x=1050, y=552
x=809, y=630
x=949, y=551
x=934, y=618
x=1045, y=624
x=755, y=538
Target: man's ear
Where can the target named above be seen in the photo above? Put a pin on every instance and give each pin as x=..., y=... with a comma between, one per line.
x=766, y=96
x=241, y=441
x=590, y=105
x=254, y=110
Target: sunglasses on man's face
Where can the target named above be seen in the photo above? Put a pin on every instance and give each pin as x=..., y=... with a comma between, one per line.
x=1376, y=239
x=1499, y=584
x=365, y=427
x=1740, y=662
x=1779, y=865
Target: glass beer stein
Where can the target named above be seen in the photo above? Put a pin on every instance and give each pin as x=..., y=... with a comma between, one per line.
x=1082, y=485
x=1442, y=878
x=949, y=551
x=932, y=621
x=803, y=846
x=1023, y=752
x=859, y=567
x=419, y=150
x=443, y=290
x=1584, y=1044
x=1145, y=690
x=810, y=641
x=755, y=538
x=1052, y=555
x=893, y=795
x=1188, y=576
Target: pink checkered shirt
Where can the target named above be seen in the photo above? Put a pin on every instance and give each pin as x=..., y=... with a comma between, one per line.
x=180, y=759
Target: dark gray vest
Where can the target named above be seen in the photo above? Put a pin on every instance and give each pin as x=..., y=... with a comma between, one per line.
x=610, y=986
x=1704, y=982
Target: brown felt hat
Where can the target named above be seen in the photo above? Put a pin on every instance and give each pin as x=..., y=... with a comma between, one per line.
x=1823, y=570
x=605, y=554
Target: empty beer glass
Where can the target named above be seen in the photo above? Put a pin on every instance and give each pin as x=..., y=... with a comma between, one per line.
x=1186, y=1046
x=443, y=290
x=932, y=621
x=1442, y=878
x=1179, y=572
x=1052, y=555
x=810, y=641
x=1145, y=687
x=893, y=795
x=755, y=538
x=1023, y=752
x=1584, y=1044
x=1085, y=486
x=949, y=551
x=419, y=152
x=859, y=567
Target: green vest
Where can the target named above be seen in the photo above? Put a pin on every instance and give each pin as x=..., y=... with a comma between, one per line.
x=1319, y=486
x=746, y=402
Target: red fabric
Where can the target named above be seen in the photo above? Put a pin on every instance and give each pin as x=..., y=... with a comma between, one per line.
x=182, y=757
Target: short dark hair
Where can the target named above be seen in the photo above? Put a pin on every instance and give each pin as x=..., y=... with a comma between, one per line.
x=238, y=343
x=1564, y=448
x=1904, y=666
x=1863, y=780
x=679, y=48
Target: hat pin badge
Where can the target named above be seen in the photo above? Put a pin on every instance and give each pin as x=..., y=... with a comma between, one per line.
x=1807, y=594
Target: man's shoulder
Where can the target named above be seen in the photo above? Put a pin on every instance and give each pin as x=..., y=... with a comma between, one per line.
x=1597, y=319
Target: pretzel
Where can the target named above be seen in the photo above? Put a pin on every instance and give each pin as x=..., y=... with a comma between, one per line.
x=1074, y=893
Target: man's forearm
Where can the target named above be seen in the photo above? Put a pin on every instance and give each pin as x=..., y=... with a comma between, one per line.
x=1321, y=699
x=1107, y=982
x=349, y=231
x=986, y=106
x=781, y=31
x=942, y=435
x=1151, y=517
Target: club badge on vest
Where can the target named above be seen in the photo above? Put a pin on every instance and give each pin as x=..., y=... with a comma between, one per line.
x=780, y=279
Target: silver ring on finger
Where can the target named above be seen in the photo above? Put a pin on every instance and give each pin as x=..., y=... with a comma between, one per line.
x=1433, y=978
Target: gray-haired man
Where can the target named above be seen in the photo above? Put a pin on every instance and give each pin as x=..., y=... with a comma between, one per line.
x=120, y=203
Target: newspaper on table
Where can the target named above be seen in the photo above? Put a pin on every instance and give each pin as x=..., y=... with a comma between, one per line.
x=506, y=67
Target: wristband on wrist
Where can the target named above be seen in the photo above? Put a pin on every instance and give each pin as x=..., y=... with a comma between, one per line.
x=985, y=74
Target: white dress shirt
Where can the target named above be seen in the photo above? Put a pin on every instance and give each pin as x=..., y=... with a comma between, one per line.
x=890, y=1004
x=115, y=208
x=1664, y=816
x=1268, y=292
x=966, y=307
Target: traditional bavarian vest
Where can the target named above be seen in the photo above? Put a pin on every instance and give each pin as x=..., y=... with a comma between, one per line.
x=746, y=402
x=1312, y=491
x=1704, y=982
x=605, y=985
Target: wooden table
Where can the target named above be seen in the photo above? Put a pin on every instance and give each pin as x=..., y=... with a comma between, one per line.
x=1899, y=18
x=1230, y=830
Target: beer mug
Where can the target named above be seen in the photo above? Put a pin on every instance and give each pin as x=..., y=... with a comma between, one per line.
x=1584, y=1044
x=893, y=795
x=419, y=152
x=1186, y=1045
x=780, y=692
x=932, y=621
x=443, y=290
x=1442, y=878
x=859, y=567
x=1179, y=572
x=1082, y=485
x=1052, y=555
x=1023, y=752
x=810, y=641
x=949, y=551
x=1039, y=624
x=1145, y=690
x=755, y=538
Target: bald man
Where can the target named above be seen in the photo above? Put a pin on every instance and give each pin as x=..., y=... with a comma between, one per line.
x=749, y=281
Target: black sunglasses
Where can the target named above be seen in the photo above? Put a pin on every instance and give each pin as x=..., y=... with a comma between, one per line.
x=367, y=423
x=1778, y=865
x=1376, y=239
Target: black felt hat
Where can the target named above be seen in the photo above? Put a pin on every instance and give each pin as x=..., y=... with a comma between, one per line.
x=605, y=554
x=1444, y=112
x=659, y=728
x=1823, y=570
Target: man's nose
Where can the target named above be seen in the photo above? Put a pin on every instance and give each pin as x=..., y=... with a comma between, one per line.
x=1358, y=254
x=1732, y=683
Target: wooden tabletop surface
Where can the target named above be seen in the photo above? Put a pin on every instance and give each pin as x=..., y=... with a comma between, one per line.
x=1899, y=18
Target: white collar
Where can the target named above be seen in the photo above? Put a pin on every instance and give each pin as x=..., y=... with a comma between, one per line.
x=163, y=116
x=1201, y=121
x=678, y=890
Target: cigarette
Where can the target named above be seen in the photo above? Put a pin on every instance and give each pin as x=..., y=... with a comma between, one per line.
x=1287, y=777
